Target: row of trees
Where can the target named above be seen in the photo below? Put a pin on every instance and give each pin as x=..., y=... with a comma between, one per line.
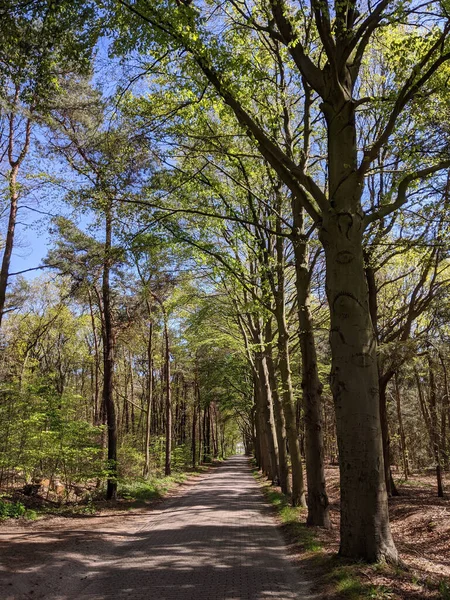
x=291, y=160
x=54, y=421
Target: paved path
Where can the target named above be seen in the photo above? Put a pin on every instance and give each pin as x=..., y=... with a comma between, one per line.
x=217, y=541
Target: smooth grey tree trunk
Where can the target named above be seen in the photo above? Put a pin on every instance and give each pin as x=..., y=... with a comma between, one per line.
x=280, y=425
x=266, y=416
x=318, y=505
x=365, y=530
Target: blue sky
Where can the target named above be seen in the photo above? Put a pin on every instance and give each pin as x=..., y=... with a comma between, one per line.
x=29, y=254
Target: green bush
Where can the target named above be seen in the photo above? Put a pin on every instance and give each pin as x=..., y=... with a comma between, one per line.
x=130, y=461
x=181, y=457
x=42, y=436
x=11, y=510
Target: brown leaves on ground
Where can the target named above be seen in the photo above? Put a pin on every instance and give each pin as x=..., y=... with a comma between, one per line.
x=420, y=523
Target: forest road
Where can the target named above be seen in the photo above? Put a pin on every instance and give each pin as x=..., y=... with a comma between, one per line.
x=215, y=540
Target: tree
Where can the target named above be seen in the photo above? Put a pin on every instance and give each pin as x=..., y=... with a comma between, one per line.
x=217, y=178
x=109, y=164
x=330, y=65
x=41, y=43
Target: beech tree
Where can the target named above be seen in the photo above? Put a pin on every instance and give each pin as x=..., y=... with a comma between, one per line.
x=217, y=178
x=329, y=63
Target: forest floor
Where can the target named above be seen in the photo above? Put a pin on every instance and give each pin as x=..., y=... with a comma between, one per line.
x=420, y=523
x=213, y=538
x=46, y=557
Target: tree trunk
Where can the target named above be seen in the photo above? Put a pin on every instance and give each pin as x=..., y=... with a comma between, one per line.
x=194, y=435
x=365, y=530
x=168, y=450
x=184, y=413
x=287, y=394
x=149, y=399
x=200, y=429
x=215, y=430
x=9, y=241
x=280, y=424
x=383, y=381
x=401, y=430
x=207, y=435
x=445, y=415
x=267, y=418
x=263, y=432
x=14, y=163
x=435, y=441
x=108, y=361
x=96, y=370
x=318, y=511
x=256, y=429
x=298, y=486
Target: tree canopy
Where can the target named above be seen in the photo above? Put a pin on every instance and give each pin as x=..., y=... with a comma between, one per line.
x=249, y=242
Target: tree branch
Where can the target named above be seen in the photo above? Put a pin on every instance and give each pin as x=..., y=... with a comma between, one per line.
x=403, y=186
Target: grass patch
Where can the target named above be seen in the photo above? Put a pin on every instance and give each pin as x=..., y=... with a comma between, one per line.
x=146, y=490
x=347, y=582
x=291, y=517
x=444, y=590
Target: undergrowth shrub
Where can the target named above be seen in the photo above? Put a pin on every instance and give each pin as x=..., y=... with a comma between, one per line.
x=11, y=510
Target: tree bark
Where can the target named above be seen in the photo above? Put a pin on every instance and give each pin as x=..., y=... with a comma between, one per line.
x=108, y=360
x=215, y=431
x=280, y=423
x=445, y=415
x=168, y=450
x=266, y=421
x=96, y=370
x=401, y=430
x=149, y=398
x=318, y=505
x=207, y=435
x=298, y=497
x=15, y=164
x=257, y=436
x=194, y=433
x=365, y=530
x=199, y=427
x=266, y=403
x=435, y=441
x=383, y=381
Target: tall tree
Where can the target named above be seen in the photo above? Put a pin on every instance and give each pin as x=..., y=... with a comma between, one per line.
x=330, y=65
x=108, y=165
x=40, y=44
